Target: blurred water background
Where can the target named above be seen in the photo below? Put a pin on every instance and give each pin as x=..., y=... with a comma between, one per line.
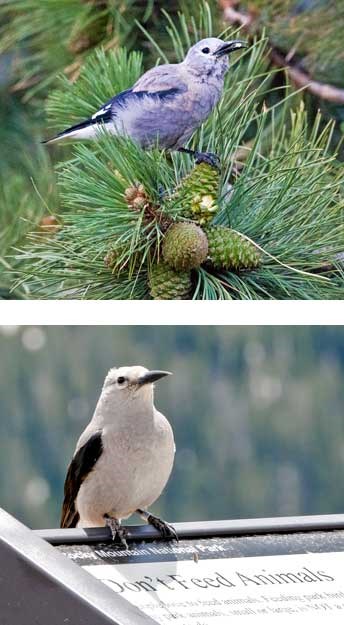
x=257, y=414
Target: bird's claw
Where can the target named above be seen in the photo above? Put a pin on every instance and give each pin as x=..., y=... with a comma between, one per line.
x=118, y=533
x=209, y=158
x=165, y=529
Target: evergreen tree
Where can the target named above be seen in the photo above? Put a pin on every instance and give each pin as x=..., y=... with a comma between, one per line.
x=268, y=225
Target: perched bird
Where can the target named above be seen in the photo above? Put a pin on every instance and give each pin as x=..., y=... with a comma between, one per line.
x=122, y=459
x=168, y=103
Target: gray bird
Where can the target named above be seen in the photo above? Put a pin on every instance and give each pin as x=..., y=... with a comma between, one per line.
x=168, y=103
x=123, y=458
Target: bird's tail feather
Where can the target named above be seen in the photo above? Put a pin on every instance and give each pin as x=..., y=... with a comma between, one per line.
x=83, y=130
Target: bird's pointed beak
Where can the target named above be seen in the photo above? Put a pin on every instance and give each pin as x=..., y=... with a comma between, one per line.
x=230, y=46
x=152, y=376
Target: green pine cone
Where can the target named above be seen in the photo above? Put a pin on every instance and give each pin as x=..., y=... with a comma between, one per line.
x=228, y=250
x=198, y=192
x=165, y=283
x=185, y=246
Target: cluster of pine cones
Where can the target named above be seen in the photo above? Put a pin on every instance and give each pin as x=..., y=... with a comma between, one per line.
x=192, y=241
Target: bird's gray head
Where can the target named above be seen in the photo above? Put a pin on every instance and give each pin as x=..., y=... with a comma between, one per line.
x=131, y=381
x=210, y=55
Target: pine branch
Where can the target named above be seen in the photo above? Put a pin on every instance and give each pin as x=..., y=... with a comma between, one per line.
x=287, y=202
x=301, y=79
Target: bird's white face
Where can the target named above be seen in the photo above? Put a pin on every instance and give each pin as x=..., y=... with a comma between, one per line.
x=129, y=380
x=122, y=377
x=211, y=55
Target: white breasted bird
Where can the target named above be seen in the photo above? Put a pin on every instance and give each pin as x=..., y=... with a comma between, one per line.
x=123, y=458
x=168, y=103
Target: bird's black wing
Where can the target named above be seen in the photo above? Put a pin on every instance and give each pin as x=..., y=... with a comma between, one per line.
x=82, y=464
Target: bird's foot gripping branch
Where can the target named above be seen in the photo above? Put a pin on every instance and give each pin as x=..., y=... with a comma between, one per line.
x=203, y=157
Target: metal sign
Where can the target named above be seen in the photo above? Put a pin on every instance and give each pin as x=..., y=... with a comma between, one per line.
x=253, y=571
x=250, y=571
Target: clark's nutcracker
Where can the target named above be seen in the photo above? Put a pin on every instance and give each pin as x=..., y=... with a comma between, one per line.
x=168, y=103
x=123, y=458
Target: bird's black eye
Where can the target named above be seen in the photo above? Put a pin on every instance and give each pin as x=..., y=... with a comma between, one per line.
x=121, y=379
x=206, y=50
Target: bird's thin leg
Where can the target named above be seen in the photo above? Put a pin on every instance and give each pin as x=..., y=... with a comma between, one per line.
x=165, y=529
x=118, y=532
x=187, y=151
x=162, y=192
x=203, y=157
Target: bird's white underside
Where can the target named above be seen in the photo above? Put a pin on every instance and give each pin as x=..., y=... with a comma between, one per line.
x=130, y=474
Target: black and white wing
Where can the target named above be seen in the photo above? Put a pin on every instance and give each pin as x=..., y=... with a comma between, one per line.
x=81, y=465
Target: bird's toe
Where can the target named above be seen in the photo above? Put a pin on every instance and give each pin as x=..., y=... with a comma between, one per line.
x=118, y=533
x=166, y=529
x=209, y=158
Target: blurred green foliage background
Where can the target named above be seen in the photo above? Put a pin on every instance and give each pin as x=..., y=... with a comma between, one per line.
x=257, y=414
